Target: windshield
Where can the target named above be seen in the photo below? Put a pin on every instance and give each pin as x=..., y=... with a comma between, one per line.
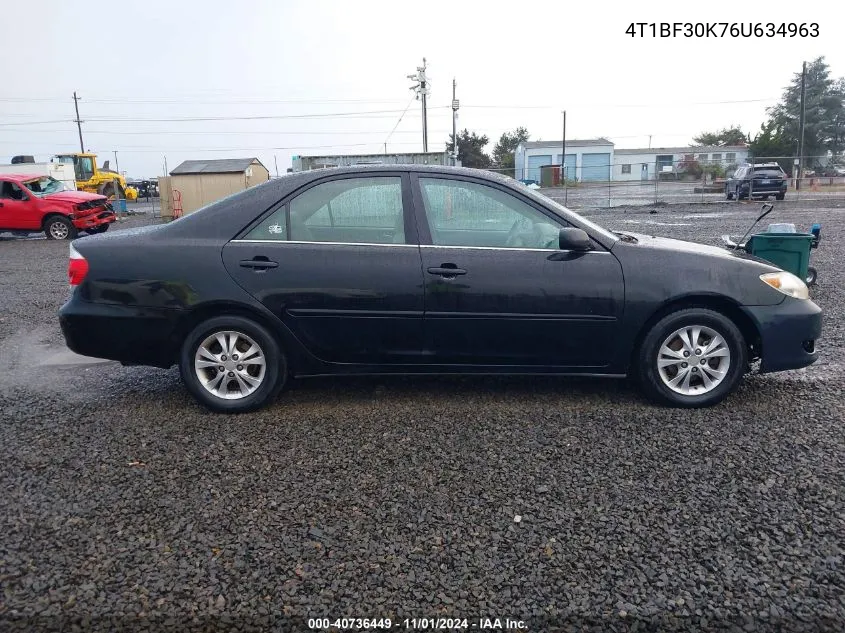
x=44, y=185
x=562, y=210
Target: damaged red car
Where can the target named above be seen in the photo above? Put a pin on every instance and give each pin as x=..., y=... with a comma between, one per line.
x=32, y=204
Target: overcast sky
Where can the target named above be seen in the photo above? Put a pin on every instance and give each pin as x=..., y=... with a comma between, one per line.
x=516, y=64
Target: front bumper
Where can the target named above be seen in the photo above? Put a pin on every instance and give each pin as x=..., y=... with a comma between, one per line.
x=129, y=334
x=789, y=333
x=95, y=219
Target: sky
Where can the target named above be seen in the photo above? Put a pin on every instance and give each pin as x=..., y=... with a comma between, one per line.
x=275, y=79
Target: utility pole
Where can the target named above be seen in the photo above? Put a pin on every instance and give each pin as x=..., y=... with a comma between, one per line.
x=116, y=164
x=801, y=127
x=563, y=148
x=166, y=173
x=649, y=141
x=276, y=162
x=78, y=121
x=455, y=106
x=421, y=89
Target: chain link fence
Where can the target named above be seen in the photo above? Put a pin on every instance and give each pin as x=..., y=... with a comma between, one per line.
x=685, y=181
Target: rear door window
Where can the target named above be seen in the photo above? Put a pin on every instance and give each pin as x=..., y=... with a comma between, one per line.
x=344, y=211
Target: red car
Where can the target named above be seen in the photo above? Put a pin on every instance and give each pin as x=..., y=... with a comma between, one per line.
x=32, y=203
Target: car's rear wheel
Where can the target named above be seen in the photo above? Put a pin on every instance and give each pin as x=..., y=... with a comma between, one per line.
x=694, y=357
x=779, y=196
x=59, y=227
x=728, y=194
x=231, y=364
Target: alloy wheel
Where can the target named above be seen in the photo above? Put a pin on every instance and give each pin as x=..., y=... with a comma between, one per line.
x=693, y=360
x=230, y=365
x=59, y=230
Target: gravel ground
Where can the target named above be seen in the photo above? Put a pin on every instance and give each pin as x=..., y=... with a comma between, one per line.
x=568, y=504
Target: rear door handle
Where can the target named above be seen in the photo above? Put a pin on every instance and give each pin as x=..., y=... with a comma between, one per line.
x=258, y=263
x=447, y=271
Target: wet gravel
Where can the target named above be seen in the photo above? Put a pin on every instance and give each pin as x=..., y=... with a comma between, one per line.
x=568, y=504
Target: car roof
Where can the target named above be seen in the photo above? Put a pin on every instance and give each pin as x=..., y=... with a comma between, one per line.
x=221, y=219
x=20, y=177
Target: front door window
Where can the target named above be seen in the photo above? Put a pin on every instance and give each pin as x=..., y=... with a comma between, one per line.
x=464, y=213
x=11, y=191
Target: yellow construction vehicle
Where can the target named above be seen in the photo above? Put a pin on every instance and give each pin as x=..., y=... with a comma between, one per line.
x=97, y=180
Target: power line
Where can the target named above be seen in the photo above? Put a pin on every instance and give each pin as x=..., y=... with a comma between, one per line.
x=617, y=105
x=397, y=123
x=351, y=115
x=245, y=118
x=38, y=122
x=152, y=148
x=196, y=101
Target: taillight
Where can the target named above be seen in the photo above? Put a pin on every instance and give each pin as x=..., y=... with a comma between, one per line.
x=77, y=267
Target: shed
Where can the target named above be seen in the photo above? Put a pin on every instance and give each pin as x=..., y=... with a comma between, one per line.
x=201, y=182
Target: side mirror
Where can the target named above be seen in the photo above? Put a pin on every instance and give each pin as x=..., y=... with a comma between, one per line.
x=574, y=240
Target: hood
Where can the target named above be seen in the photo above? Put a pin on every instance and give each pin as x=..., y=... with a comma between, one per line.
x=693, y=248
x=73, y=196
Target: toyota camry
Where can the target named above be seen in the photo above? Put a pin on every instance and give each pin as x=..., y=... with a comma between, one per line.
x=426, y=270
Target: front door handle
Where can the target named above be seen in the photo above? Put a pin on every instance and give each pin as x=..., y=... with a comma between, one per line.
x=258, y=263
x=447, y=271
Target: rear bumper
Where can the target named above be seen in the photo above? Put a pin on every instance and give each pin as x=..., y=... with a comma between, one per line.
x=789, y=333
x=129, y=334
x=763, y=190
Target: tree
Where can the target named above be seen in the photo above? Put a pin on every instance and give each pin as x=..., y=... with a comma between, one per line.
x=503, y=152
x=773, y=143
x=824, y=114
x=726, y=136
x=470, y=149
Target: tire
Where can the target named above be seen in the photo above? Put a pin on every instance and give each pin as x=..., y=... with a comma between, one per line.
x=728, y=194
x=696, y=393
x=271, y=379
x=779, y=196
x=812, y=275
x=59, y=227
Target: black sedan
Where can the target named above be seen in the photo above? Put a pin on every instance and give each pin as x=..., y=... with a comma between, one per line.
x=421, y=270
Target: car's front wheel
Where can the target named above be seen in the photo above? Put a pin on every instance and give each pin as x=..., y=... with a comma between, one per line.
x=59, y=227
x=231, y=364
x=694, y=357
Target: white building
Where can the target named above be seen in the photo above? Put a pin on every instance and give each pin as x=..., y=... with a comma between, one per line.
x=643, y=164
x=589, y=159
x=598, y=159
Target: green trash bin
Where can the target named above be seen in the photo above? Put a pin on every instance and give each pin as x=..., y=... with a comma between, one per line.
x=789, y=251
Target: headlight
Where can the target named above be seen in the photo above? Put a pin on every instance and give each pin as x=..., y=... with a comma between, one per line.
x=787, y=283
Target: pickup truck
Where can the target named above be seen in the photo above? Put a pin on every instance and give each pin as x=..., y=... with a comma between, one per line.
x=36, y=203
